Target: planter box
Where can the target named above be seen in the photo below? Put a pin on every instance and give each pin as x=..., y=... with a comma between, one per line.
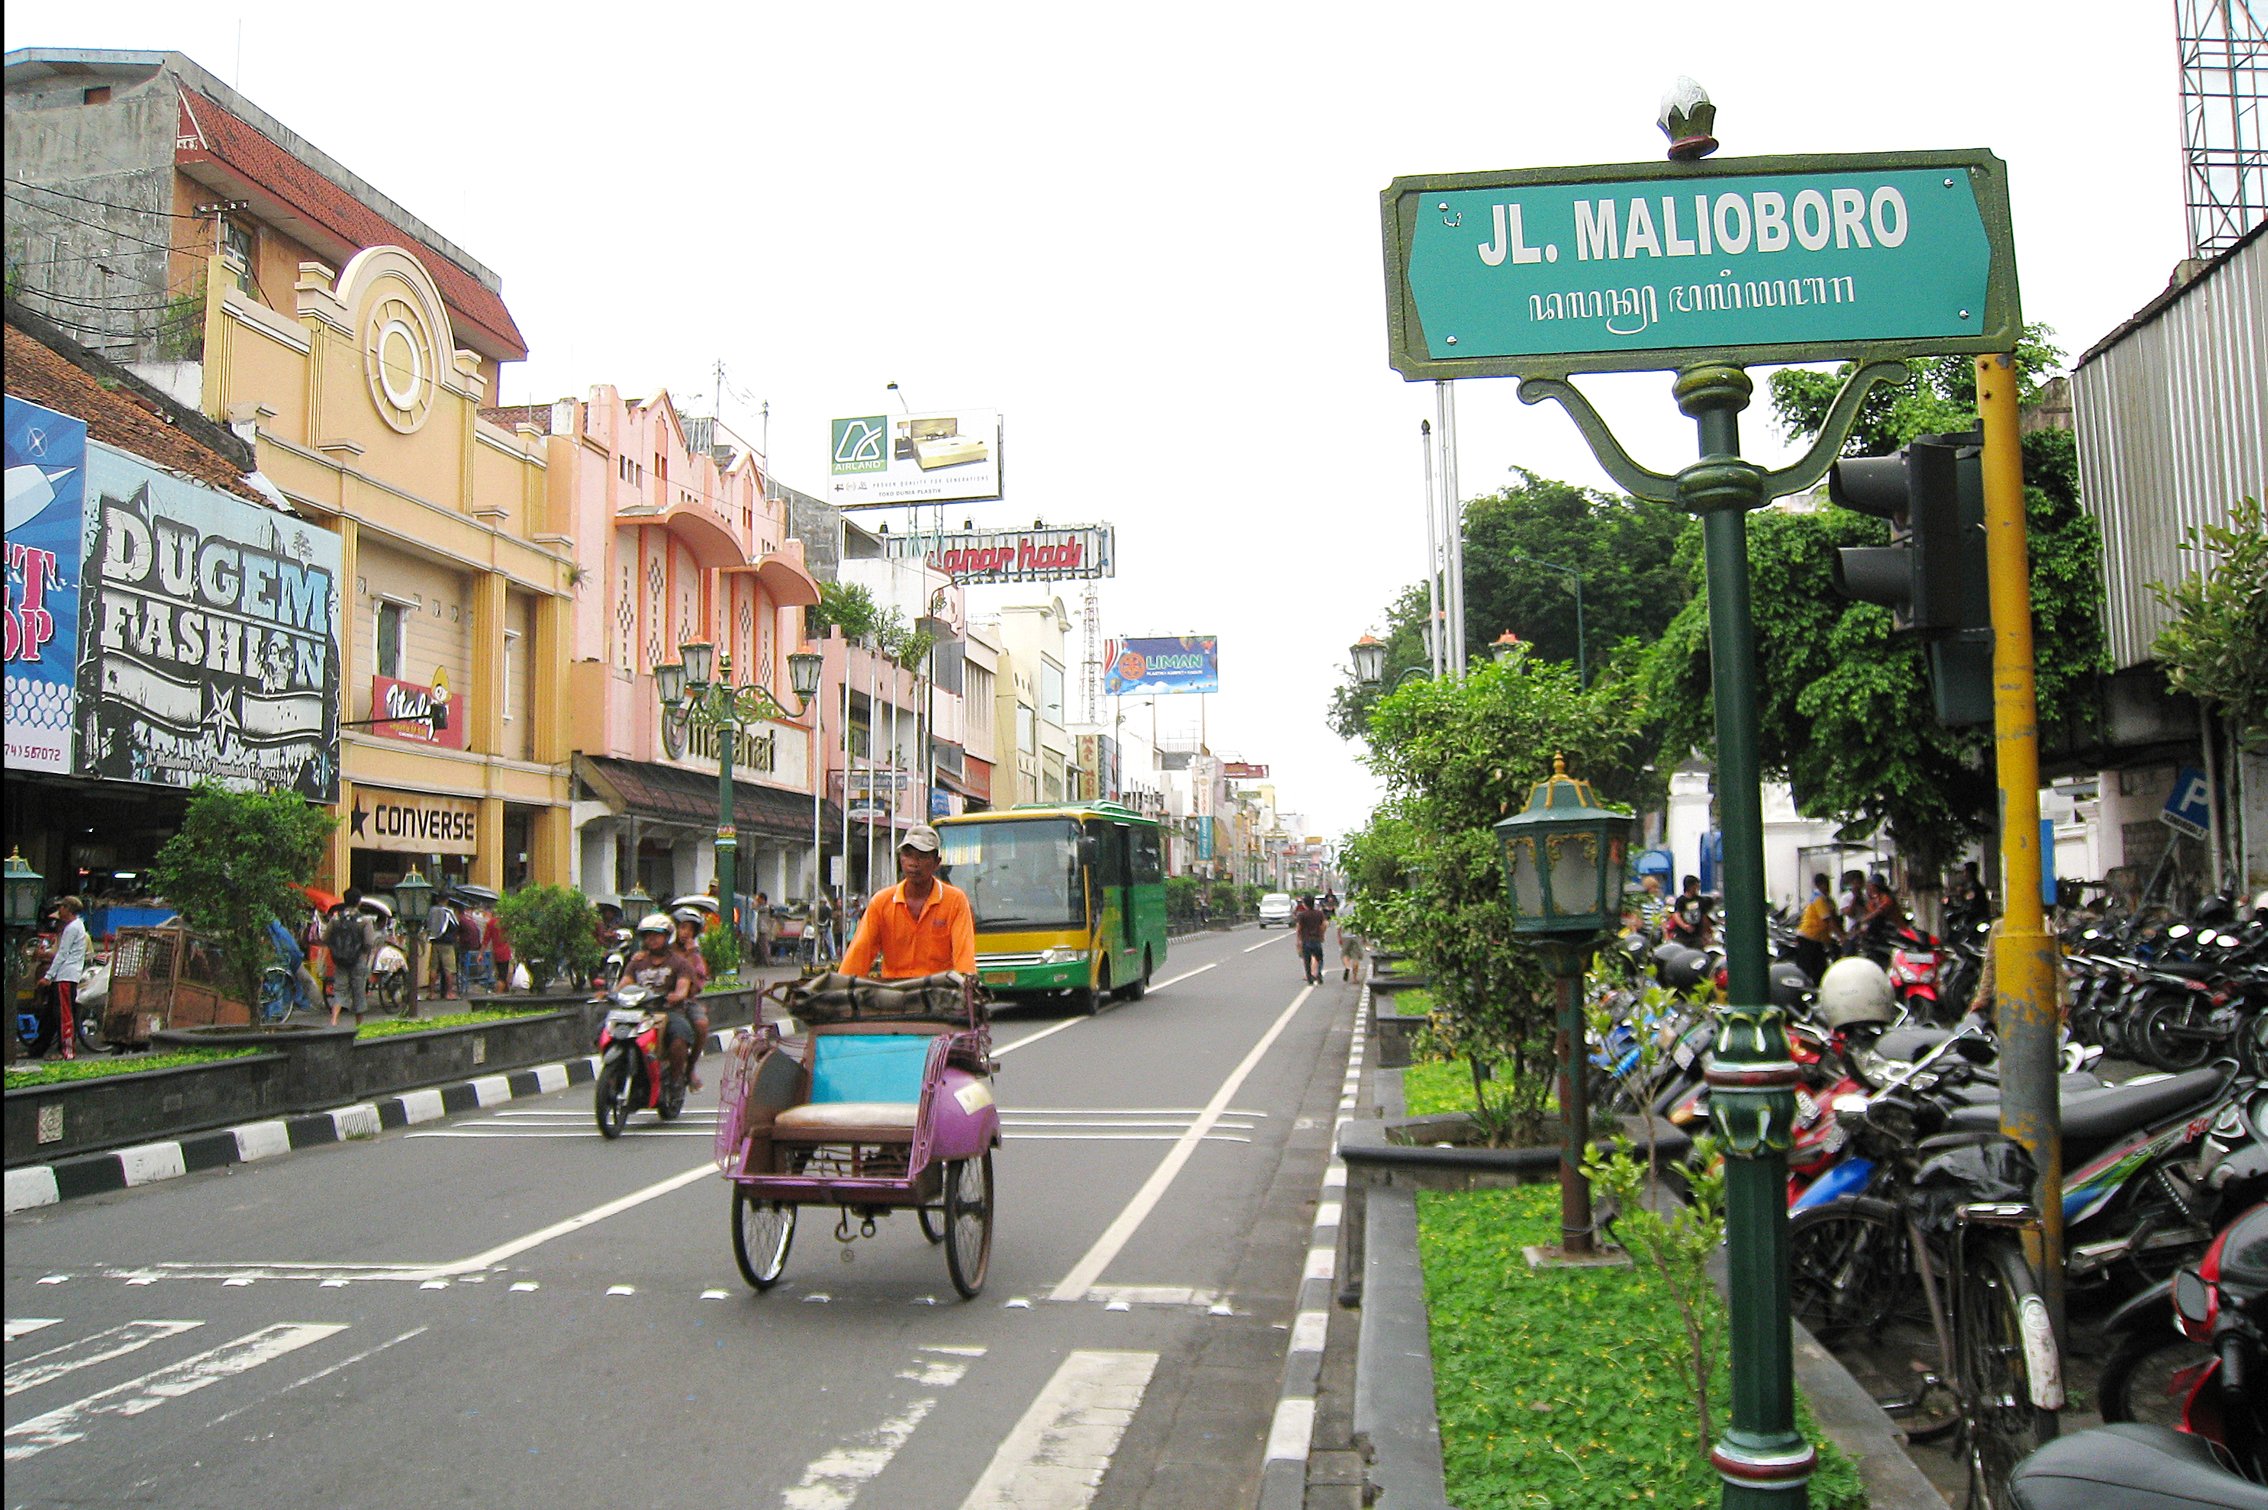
x=409, y=1061
x=50, y=1122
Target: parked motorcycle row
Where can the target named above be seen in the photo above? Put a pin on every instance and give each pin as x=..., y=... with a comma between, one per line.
x=1897, y=1140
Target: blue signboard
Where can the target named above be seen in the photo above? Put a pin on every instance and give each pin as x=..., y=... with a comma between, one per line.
x=1182, y=663
x=47, y=470
x=940, y=802
x=2190, y=808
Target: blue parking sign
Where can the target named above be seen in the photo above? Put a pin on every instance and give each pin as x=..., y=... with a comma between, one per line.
x=2190, y=808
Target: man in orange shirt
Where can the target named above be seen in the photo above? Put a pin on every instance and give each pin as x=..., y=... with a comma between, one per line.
x=921, y=925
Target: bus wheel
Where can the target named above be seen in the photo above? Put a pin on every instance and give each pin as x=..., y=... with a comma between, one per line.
x=1088, y=1000
x=1139, y=987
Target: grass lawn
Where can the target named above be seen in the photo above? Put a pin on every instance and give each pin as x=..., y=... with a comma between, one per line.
x=59, y=1071
x=1560, y=1389
x=1437, y=1085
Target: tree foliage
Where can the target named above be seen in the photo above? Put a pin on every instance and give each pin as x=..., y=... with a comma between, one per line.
x=2216, y=644
x=554, y=928
x=235, y=865
x=1455, y=756
x=1845, y=713
x=848, y=607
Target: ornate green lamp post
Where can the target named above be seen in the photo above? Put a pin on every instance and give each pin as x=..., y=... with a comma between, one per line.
x=1563, y=860
x=25, y=887
x=413, y=894
x=689, y=696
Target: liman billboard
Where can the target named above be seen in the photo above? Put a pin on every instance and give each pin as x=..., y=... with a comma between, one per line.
x=47, y=479
x=882, y=460
x=1179, y=663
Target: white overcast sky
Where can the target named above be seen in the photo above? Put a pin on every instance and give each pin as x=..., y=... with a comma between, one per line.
x=1148, y=235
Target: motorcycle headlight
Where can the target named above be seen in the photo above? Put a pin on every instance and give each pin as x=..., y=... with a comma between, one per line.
x=1063, y=956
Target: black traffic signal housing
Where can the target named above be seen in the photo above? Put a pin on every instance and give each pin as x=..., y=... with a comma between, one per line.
x=1932, y=575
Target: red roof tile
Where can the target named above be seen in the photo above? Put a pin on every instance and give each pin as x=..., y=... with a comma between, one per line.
x=243, y=149
x=117, y=416
x=513, y=416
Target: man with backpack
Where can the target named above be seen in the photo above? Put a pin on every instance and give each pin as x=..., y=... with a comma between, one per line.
x=350, y=941
x=441, y=926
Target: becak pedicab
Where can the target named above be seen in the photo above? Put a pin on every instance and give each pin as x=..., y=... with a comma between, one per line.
x=876, y=1097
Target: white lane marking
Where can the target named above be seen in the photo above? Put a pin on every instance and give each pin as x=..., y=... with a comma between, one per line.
x=1175, y=980
x=1292, y=1429
x=1055, y=1455
x=68, y=1423
x=1010, y=1048
x=100, y=1347
x=833, y=1480
x=540, y=1132
x=321, y=1373
x=1126, y=1111
x=1061, y=1123
x=1089, y=1268
x=1060, y=1137
x=571, y=1114
x=1264, y=943
x=24, y=1326
x=1155, y=1295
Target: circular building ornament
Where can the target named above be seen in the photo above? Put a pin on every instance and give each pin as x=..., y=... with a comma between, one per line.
x=397, y=352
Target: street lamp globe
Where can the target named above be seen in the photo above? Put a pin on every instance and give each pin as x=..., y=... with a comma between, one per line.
x=25, y=887
x=636, y=904
x=1369, y=654
x=670, y=682
x=803, y=673
x=1503, y=646
x=413, y=894
x=1563, y=856
x=700, y=660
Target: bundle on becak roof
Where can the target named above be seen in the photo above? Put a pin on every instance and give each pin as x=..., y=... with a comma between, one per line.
x=835, y=997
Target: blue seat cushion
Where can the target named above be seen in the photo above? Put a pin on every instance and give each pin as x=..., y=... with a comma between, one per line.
x=867, y=1066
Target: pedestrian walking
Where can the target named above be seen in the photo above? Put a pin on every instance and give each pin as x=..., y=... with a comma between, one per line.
x=441, y=926
x=765, y=925
x=1820, y=928
x=351, y=941
x=499, y=949
x=820, y=924
x=64, y=971
x=1309, y=922
x=1350, y=952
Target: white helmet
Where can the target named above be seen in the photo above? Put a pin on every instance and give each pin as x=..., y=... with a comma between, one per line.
x=656, y=922
x=1856, y=990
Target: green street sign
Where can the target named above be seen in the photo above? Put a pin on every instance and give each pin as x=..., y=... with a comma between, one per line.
x=1644, y=266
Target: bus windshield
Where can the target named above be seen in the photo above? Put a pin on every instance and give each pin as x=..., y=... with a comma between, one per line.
x=1020, y=874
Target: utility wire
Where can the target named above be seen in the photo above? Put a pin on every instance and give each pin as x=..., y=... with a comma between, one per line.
x=128, y=209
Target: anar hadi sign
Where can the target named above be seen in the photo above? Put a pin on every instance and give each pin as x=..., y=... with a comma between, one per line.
x=1642, y=266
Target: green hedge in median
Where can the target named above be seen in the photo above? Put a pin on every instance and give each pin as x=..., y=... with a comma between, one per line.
x=387, y=1027
x=56, y=1072
x=1561, y=1387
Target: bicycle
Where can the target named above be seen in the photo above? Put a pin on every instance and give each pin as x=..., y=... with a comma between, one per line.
x=1930, y=1268
x=282, y=995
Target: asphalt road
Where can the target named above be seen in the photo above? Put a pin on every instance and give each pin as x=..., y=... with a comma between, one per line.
x=503, y=1309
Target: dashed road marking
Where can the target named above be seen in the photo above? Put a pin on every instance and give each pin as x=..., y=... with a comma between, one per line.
x=1055, y=1455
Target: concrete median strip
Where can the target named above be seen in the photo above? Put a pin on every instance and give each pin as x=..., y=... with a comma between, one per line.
x=34, y=1185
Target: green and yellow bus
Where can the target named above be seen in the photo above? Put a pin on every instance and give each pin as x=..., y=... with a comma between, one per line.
x=1068, y=898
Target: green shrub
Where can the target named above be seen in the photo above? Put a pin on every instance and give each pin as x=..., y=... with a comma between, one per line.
x=61, y=1071
x=720, y=950
x=554, y=929
x=235, y=865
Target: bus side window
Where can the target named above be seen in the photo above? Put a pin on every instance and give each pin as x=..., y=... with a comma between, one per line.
x=1149, y=869
x=1110, y=857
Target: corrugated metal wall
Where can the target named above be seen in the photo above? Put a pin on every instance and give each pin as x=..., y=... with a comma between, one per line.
x=2172, y=422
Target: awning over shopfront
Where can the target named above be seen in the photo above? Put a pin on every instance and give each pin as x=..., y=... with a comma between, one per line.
x=644, y=789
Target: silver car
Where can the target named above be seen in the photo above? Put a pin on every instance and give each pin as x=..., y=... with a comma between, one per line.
x=1276, y=907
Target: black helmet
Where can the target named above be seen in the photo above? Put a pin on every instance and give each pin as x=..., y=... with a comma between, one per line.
x=1789, y=983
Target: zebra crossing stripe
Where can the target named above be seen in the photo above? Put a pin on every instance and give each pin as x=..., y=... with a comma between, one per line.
x=1056, y=1454
x=99, y=1347
x=69, y=1423
x=24, y=1326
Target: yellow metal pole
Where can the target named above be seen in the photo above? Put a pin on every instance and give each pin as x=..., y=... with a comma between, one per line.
x=2025, y=999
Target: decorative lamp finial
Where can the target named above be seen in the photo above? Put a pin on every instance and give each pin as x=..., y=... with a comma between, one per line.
x=1558, y=765
x=1687, y=119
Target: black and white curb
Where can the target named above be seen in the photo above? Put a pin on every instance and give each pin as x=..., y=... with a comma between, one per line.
x=1283, y=1474
x=124, y=1168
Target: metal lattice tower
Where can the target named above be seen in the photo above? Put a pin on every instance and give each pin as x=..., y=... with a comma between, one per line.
x=2224, y=64
x=1090, y=669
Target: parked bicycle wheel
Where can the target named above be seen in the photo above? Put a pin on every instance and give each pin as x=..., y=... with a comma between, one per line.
x=1852, y=1279
x=1999, y=1320
x=2149, y=1376
x=279, y=996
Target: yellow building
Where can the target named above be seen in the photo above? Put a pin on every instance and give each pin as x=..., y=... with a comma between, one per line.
x=364, y=412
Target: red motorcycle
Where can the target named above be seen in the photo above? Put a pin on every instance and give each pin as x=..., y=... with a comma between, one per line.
x=1913, y=972
x=634, y=1063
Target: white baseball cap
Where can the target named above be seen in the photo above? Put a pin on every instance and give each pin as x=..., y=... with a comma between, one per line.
x=922, y=837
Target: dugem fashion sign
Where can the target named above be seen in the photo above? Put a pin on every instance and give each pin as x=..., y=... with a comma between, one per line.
x=1038, y=555
x=210, y=646
x=47, y=475
x=1184, y=663
x=1635, y=266
x=880, y=460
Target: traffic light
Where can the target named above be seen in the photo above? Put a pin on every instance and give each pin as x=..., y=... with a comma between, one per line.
x=1932, y=575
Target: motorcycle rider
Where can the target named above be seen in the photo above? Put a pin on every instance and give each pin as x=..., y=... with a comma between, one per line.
x=661, y=968
x=689, y=921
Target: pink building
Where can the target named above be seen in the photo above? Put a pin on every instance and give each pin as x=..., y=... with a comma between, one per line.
x=675, y=540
